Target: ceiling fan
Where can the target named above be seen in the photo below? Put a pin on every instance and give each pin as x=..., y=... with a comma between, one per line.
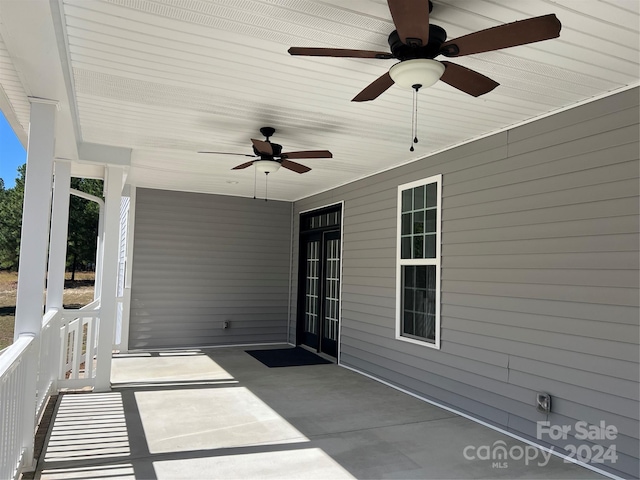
x=269, y=156
x=416, y=43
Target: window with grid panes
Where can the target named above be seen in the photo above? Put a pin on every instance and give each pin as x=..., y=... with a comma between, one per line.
x=418, y=267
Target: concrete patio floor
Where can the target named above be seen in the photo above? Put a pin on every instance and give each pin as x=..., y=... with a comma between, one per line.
x=221, y=414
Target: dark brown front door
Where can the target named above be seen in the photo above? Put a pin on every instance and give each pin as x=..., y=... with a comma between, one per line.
x=319, y=292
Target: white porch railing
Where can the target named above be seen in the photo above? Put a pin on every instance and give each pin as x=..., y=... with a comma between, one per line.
x=49, y=350
x=14, y=405
x=63, y=356
x=78, y=346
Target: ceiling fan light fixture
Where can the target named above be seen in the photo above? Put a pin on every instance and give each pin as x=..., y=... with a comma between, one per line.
x=419, y=71
x=267, y=166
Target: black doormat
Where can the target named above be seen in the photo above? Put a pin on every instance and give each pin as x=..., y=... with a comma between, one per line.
x=287, y=357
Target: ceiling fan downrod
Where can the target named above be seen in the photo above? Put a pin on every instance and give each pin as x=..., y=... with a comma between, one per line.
x=255, y=181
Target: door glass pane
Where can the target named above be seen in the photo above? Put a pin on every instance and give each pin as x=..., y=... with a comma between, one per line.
x=311, y=295
x=332, y=290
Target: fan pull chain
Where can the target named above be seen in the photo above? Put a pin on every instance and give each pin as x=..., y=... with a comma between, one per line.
x=414, y=116
x=266, y=185
x=255, y=180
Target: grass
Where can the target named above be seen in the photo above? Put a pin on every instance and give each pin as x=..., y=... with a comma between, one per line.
x=76, y=294
x=8, y=287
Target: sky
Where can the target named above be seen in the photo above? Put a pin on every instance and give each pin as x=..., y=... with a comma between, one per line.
x=12, y=154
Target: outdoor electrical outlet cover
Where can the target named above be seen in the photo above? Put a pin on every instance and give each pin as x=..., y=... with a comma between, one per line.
x=543, y=402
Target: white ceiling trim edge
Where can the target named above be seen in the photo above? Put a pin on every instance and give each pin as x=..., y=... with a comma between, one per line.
x=62, y=42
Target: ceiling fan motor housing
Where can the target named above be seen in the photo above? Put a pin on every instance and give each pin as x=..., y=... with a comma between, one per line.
x=402, y=51
x=277, y=151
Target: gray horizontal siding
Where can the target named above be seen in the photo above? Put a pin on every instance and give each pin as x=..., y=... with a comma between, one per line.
x=539, y=274
x=545, y=323
x=548, y=216
x=577, y=294
x=200, y=260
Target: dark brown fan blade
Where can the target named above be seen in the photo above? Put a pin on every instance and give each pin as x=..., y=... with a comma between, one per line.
x=467, y=80
x=263, y=147
x=504, y=36
x=375, y=89
x=411, y=18
x=338, y=52
x=243, y=165
x=308, y=154
x=227, y=153
x=295, y=167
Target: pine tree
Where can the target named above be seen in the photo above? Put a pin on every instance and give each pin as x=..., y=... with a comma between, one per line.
x=11, y=222
x=83, y=224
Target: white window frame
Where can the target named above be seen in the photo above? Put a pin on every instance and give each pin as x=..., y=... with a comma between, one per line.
x=400, y=262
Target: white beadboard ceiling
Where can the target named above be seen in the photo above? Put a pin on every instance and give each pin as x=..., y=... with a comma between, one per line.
x=168, y=78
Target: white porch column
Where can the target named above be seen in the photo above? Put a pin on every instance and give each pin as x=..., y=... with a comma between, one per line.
x=114, y=177
x=59, y=231
x=34, y=241
x=35, y=219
